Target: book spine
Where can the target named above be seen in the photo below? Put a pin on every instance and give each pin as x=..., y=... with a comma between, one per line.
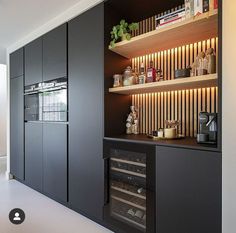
x=215, y=4
x=198, y=7
x=206, y=6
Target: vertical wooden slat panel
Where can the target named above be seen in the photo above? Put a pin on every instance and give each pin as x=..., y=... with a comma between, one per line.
x=199, y=103
x=172, y=64
x=204, y=102
x=149, y=113
x=159, y=110
x=195, y=112
x=191, y=115
x=208, y=100
x=180, y=111
x=172, y=105
x=168, y=65
x=162, y=110
x=153, y=112
x=187, y=129
x=213, y=100
x=183, y=112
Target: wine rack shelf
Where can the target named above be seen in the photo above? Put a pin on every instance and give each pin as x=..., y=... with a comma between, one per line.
x=169, y=85
x=198, y=28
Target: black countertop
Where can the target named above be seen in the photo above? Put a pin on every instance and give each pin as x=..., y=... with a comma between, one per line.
x=189, y=143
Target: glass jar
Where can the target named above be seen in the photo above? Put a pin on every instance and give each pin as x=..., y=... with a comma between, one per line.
x=129, y=78
x=117, y=80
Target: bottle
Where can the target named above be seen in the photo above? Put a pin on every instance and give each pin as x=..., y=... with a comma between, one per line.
x=142, y=75
x=151, y=73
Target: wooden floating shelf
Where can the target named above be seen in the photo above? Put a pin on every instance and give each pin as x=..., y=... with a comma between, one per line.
x=204, y=26
x=210, y=80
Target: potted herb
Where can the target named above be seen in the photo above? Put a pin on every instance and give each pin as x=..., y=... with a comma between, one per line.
x=122, y=32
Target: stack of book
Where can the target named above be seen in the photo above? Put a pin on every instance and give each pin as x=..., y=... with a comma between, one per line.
x=171, y=18
x=191, y=8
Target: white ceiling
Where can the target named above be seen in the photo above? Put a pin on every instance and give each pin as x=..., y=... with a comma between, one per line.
x=20, y=17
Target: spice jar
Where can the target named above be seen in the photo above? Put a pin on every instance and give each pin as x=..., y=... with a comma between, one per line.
x=129, y=78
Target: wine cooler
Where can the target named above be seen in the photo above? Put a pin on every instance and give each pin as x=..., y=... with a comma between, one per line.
x=130, y=192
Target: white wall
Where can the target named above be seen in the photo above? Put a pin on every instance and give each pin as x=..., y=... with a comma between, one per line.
x=3, y=110
x=3, y=54
x=229, y=116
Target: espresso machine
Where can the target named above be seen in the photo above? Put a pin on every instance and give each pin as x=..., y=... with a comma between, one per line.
x=208, y=128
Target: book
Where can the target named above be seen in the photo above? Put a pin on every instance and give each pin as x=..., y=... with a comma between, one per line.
x=169, y=14
x=198, y=7
x=215, y=4
x=206, y=6
x=189, y=8
x=172, y=17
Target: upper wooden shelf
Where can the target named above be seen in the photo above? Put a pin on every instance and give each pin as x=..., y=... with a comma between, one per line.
x=191, y=30
x=170, y=85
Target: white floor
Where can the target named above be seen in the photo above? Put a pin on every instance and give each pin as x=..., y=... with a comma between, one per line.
x=43, y=215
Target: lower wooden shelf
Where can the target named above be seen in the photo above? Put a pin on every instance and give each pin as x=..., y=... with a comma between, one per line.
x=210, y=80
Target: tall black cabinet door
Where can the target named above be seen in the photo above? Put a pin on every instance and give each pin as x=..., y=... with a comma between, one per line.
x=34, y=155
x=55, y=160
x=188, y=191
x=33, y=62
x=17, y=127
x=86, y=167
x=55, y=53
x=17, y=63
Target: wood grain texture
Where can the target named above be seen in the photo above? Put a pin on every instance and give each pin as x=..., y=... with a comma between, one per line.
x=197, y=28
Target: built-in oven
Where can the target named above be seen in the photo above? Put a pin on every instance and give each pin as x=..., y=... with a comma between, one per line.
x=47, y=101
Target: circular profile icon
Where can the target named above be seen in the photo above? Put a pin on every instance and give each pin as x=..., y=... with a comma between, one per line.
x=17, y=216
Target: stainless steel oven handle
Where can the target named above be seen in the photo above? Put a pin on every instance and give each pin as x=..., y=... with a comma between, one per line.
x=53, y=89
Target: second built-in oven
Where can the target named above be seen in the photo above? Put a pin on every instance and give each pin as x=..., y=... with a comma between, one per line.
x=47, y=101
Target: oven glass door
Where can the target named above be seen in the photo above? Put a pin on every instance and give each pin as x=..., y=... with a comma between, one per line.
x=55, y=105
x=33, y=106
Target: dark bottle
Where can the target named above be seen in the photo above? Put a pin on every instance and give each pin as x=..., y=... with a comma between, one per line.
x=151, y=73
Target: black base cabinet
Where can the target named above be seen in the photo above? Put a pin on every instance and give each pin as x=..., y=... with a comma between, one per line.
x=34, y=155
x=86, y=73
x=188, y=191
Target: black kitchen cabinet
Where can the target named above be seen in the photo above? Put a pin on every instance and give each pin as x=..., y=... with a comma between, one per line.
x=33, y=62
x=34, y=155
x=17, y=127
x=17, y=63
x=55, y=160
x=188, y=191
x=86, y=72
x=55, y=53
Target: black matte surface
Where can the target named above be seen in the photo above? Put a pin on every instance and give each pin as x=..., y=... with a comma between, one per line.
x=190, y=143
x=188, y=191
x=33, y=62
x=86, y=74
x=17, y=63
x=55, y=160
x=17, y=127
x=34, y=155
x=55, y=53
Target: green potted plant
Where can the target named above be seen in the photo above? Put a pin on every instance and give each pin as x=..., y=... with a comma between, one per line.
x=122, y=32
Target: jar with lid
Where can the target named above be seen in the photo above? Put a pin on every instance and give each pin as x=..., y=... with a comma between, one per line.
x=129, y=78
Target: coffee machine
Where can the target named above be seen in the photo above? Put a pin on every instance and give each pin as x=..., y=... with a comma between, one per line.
x=208, y=128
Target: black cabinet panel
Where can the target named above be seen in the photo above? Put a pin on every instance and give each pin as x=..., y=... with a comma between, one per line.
x=34, y=155
x=55, y=53
x=86, y=166
x=17, y=127
x=188, y=191
x=17, y=63
x=33, y=62
x=55, y=160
